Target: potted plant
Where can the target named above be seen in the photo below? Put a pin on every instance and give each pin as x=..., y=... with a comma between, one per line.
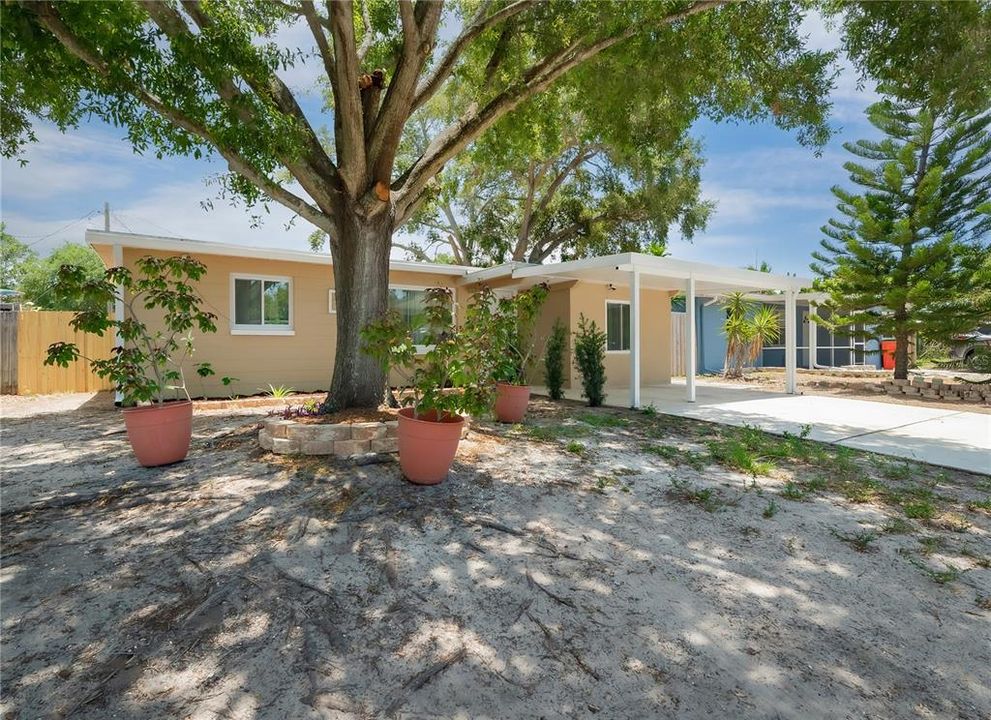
x=146, y=367
x=450, y=380
x=514, y=324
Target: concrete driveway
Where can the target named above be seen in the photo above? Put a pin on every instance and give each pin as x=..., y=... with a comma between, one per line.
x=957, y=439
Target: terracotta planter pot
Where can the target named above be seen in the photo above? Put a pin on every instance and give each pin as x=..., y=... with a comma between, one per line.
x=160, y=434
x=427, y=445
x=511, y=402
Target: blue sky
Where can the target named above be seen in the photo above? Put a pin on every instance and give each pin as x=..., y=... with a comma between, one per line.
x=772, y=195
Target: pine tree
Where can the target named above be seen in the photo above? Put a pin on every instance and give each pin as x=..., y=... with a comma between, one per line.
x=905, y=256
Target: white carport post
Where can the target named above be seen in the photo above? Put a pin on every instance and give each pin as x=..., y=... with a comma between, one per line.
x=791, y=350
x=635, y=338
x=813, y=336
x=690, y=341
x=118, y=260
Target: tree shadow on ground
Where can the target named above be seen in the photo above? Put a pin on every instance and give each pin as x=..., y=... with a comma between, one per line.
x=253, y=586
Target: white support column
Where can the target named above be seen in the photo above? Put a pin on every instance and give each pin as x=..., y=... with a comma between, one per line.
x=118, y=258
x=791, y=349
x=690, y=340
x=813, y=336
x=635, y=339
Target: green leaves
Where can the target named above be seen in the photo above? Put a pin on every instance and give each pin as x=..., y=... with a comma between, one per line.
x=149, y=361
x=902, y=258
x=590, y=360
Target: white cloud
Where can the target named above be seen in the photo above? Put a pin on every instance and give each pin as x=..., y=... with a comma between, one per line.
x=742, y=205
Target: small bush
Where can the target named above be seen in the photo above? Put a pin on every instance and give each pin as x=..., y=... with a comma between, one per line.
x=590, y=360
x=575, y=447
x=554, y=360
x=920, y=510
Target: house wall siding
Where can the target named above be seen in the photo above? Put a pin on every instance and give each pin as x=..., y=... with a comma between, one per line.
x=655, y=332
x=305, y=360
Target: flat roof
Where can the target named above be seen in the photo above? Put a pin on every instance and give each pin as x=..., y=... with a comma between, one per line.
x=655, y=272
x=184, y=245
x=664, y=273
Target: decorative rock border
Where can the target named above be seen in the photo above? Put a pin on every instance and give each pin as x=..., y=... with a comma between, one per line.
x=940, y=389
x=341, y=439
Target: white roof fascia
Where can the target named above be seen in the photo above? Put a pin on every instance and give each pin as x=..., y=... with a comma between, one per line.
x=492, y=273
x=167, y=244
x=669, y=267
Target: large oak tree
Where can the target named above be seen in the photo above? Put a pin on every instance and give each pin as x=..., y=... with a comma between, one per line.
x=201, y=77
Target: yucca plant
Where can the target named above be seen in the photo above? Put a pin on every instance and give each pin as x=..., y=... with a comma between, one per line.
x=748, y=327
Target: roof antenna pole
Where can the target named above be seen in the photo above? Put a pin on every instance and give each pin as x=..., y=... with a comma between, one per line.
x=106, y=217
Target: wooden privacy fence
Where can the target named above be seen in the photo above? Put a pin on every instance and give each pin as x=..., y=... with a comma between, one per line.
x=24, y=340
x=679, y=331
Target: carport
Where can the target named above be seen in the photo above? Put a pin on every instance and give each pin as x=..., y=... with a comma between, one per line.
x=638, y=271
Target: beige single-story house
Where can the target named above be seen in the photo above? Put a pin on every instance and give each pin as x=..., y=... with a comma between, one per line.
x=276, y=310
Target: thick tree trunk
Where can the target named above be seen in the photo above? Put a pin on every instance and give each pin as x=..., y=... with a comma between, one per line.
x=360, y=252
x=901, y=356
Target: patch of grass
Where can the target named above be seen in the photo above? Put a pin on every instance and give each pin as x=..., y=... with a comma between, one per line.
x=899, y=526
x=930, y=545
x=706, y=498
x=794, y=491
x=575, y=447
x=677, y=456
x=983, y=506
x=949, y=574
x=896, y=471
x=602, y=420
x=734, y=453
x=649, y=410
x=604, y=483
x=814, y=485
x=920, y=509
x=862, y=490
x=860, y=541
x=551, y=433
x=984, y=485
x=771, y=509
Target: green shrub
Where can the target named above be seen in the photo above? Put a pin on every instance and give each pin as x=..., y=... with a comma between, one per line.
x=554, y=360
x=590, y=360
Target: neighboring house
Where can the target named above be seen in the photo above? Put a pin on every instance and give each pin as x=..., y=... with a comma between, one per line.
x=276, y=310
x=832, y=348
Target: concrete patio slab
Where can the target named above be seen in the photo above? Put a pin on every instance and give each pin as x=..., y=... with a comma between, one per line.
x=957, y=439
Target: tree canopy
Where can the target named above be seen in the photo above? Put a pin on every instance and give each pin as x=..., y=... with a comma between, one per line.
x=206, y=77
x=906, y=255
x=14, y=255
x=39, y=275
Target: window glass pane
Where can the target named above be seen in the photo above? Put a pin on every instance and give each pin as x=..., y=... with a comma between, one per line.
x=276, y=302
x=617, y=326
x=247, y=302
x=626, y=326
x=411, y=306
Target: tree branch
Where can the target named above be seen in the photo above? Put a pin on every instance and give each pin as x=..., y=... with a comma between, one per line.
x=348, y=126
x=419, y=33
x=476, y=121
x=315, y=167
x=478, y=25
x=368, y=37
x=49, y=18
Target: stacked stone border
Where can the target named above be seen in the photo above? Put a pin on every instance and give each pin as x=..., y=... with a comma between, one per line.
x=342, y=440
x=940, y=389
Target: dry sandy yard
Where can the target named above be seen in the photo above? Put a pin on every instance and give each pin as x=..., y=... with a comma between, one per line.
x=590, y=564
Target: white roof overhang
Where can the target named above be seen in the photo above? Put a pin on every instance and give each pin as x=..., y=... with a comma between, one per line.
x=664, y=273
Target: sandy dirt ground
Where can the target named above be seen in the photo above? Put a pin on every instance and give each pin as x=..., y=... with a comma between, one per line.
x=774, y=380
x=588, y=564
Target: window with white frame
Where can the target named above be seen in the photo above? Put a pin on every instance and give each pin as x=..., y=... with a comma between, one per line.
x=617, y=326
x=411, y=303
x=261, y=303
